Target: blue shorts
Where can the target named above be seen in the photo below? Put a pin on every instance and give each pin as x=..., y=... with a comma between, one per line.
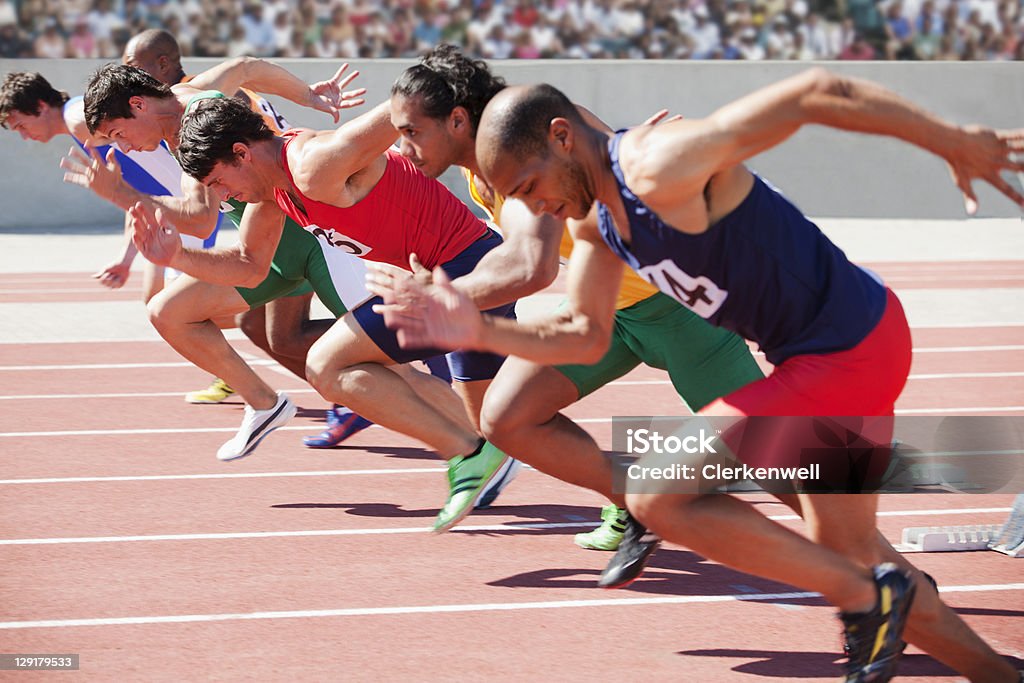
x=465, y=366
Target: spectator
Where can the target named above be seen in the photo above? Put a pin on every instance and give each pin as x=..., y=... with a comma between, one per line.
x=779, y=41
x=103, y=21
x=926, y=41
x=749, y=48
x=666, y=29
x=525, y=14
x=82, y=44
x=427, y=34
x=705, y=33
x=259, y=32
x=859, y=49
x=497, y=46
x=50, y=43
x=13, y=44
x=283, y=33
x=238, y=46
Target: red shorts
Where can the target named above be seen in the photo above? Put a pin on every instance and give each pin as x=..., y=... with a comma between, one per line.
x=862, y=382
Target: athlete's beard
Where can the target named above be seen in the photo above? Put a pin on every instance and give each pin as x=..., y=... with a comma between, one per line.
x=576, y=188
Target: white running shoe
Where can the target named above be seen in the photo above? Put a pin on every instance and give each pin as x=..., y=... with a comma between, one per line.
x=507, y=472
x=256, y=424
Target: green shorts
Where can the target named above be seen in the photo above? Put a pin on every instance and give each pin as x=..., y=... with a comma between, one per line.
x=703, y=362
x=299, y=266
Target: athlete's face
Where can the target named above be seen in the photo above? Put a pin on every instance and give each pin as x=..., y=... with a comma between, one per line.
x=30, y=126
x=140, y=132
x=546, y=183
x=235, y=181
x=426, y=141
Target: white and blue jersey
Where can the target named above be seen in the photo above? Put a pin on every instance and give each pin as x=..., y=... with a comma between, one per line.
x=764, y=271
x=155, y=173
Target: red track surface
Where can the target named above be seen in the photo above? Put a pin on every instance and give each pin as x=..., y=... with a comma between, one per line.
x=401, y=604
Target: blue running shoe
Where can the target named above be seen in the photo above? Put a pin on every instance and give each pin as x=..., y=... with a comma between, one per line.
x=341, y=424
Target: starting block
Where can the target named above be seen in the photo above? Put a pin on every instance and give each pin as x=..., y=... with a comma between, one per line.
x=1007, y=539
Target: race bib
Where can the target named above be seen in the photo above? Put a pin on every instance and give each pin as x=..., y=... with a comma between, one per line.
x=699, y=294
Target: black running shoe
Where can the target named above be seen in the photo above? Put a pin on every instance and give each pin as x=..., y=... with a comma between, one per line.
x=628, y=562
x=874, y=640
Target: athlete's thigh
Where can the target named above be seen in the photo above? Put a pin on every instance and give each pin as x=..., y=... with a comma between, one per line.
x=526, y=393
x=345, y=344
x=190, y=300
x=617, y=361
x=285, y=315
x=704, y=362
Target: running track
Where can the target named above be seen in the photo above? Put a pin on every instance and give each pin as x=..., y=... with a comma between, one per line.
x=124, y=540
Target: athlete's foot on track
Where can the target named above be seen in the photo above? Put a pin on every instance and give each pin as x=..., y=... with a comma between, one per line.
x=608, y=536
x=874, y=640
x=256, y=424
x=629, y=560
x=217, y=392
x=502, y=478
x=341, y=424
x=468, y=476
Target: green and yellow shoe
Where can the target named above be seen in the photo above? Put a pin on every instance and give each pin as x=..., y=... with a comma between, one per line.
x=468, y=475
x=217, y=392
x=609, y=534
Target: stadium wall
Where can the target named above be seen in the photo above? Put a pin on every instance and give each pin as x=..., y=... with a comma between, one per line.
x=825, y=172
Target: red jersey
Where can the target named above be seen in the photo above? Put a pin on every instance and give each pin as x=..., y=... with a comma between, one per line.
x=406, y=212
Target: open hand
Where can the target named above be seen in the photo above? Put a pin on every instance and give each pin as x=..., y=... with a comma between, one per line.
x=330, y=96
x=115, y=275
x=93, y=172
x=984, y=155
x=425, y=314
x=158, y=241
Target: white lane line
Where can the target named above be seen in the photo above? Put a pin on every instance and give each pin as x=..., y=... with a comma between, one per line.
x=952, y=410
x=967, y=375
x=952, y=277
x=100, y=295
x=288, y=534
x=155, y=394
x=621, y=382
x=262, y=361
x=408, y=530
x=233, y=475
x=968, y=349
x=956, y=411
x=442, y=609
x=114, y=366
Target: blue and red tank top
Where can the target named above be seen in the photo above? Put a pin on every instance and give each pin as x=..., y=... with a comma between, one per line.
x=763, y=271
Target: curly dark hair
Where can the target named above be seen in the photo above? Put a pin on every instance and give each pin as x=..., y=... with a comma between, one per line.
x=24, y=91
x=445, y=79
x=110, y=88
x=211, y=128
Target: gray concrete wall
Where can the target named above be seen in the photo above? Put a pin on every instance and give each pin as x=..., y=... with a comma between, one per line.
x=827, y=173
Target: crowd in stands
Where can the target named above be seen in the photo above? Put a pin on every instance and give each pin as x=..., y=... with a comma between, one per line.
x=527, y=29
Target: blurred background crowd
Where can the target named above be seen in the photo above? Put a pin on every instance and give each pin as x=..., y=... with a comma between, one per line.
x=527, y=29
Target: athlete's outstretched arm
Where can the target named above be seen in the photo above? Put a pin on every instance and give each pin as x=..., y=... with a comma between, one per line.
x=579, y=333
x=115, y=275
x=193, y=213
x=526, y=262
x=677, y=158
x=321, y=164
x=243, y=265
x=268, y=78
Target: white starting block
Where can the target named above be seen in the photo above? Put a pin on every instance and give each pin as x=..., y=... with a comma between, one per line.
x=1007, y=538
